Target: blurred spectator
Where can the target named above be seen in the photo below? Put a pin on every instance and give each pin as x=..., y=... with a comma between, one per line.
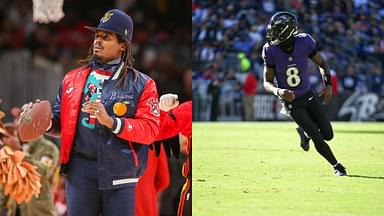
x=214, y=90
x=249, y=90
x=376, y=80
x=349, y=81
x=335, y=83
x=207, y=53
x=230, y=100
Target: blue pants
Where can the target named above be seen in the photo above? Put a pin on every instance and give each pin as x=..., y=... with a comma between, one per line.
x=84, y=197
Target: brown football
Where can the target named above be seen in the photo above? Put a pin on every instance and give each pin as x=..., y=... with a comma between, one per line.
x=34, y=121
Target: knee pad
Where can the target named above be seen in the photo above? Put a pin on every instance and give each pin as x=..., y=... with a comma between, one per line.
x=327, y=135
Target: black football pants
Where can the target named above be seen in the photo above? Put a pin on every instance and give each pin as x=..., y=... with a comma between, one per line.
x=309, y=114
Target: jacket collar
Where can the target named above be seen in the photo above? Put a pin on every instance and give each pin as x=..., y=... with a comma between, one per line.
x=110, y=66
x=118, y=71
x=114, y=66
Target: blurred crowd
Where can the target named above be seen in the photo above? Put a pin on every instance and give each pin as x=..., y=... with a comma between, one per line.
x=35, y=57
x=228, y=36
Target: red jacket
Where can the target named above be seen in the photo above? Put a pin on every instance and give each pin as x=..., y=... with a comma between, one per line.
x=154, y=180
x=178, y=120
x=156, y=176
x=140, y=125
x=250, y=84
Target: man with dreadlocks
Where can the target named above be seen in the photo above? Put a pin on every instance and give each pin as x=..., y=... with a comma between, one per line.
x=107, y=114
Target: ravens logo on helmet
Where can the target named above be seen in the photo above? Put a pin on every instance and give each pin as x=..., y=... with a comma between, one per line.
x=281, y=27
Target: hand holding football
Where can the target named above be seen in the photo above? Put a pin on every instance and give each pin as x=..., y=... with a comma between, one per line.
x=34, y=120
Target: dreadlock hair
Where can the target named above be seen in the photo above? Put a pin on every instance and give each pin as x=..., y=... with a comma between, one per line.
x=126, y=58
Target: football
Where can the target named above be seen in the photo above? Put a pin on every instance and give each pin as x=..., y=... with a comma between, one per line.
x=34, y=120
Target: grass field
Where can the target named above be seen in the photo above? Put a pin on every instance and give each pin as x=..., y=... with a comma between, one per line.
x=259, y=169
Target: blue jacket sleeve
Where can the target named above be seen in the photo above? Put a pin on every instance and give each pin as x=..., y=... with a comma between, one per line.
x=55, y=129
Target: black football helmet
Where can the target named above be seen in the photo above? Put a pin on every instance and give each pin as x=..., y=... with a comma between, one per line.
x=281, y=27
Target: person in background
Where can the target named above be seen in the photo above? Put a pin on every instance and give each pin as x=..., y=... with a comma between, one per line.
x=155, y=179
x=43, y=154
x=249, y=90
x=376, y=80
x=175, y=120
x=349, y=81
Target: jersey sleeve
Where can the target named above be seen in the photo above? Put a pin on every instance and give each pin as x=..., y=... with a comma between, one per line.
x=312, y=46
x=144, y=127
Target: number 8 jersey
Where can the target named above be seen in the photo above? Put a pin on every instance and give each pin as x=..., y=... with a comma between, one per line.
x=291, y=68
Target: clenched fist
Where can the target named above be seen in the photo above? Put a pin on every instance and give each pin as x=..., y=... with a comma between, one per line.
x=168, y=102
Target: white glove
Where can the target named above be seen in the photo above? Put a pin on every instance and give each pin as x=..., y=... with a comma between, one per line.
x=168, y=102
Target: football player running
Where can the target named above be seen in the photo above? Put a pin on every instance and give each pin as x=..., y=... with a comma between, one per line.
x=285, y=58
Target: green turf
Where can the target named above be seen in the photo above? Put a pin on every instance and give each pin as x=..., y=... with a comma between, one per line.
x=259, y=169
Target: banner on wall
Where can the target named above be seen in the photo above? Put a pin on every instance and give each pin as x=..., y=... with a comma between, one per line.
x=362, y=106
x=267, y=108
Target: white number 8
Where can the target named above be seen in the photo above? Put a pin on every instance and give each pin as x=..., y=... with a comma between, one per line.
x=293, y=78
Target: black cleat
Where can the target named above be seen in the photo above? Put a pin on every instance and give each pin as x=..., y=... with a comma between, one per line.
x=304, y=140
x=340, y=170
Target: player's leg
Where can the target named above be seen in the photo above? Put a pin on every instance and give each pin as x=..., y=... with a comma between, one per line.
x=185, y=204
x=83, y=197
x=322, y=121
x=320, y=118
x=119, y=201
x=304, y=139
x=303, y=119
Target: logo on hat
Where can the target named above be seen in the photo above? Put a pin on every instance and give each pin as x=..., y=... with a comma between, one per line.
x=106, y=17
x=116, y=21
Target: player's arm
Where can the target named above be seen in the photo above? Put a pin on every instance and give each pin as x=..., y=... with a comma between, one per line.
x=324, y=70
x=324, y=67
x=269, y=75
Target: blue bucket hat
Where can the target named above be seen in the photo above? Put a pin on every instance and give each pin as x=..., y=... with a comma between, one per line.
x=115, y=21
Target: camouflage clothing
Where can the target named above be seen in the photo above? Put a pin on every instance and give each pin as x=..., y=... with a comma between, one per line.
x=45, y=155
